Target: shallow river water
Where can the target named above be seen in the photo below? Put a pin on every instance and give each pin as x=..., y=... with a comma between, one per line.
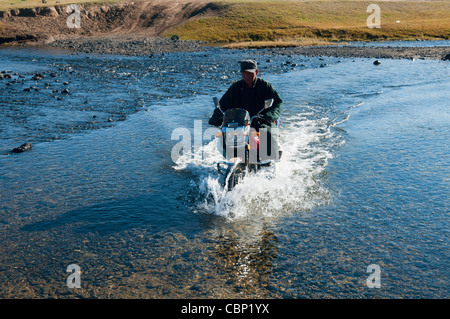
x=363, y=181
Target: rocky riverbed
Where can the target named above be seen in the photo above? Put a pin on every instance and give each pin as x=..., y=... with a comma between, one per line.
x=128, y=46
x=379, y=52
x=143, y=46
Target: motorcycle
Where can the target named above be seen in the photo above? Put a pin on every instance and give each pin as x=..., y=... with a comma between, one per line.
x=244, y=148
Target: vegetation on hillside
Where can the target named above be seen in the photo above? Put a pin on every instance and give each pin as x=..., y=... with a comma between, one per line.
x=254, y=23
x=291, y=21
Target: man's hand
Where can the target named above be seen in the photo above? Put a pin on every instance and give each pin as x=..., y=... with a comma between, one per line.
x=263, y=120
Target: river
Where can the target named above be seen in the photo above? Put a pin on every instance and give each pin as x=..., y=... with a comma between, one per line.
x=362, y=184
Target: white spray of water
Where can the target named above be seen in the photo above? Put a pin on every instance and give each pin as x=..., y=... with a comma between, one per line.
x=296, y=184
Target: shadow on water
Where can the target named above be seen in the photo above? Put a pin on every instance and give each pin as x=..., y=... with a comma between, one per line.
x=121, y=215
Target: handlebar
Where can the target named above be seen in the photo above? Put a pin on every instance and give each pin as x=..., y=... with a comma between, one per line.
x=267, y=104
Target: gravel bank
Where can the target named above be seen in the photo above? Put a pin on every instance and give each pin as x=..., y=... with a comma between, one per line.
x=145, y=46
x=128, y=46
x=387, y=52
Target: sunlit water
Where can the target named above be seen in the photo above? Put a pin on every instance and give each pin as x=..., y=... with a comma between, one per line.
x=363, y=179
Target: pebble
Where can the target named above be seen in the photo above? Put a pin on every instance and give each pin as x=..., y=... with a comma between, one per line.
x=5, y=76
x=23, y=148
x=38, y=76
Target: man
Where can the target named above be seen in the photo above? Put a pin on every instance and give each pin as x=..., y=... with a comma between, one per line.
x=250, y=93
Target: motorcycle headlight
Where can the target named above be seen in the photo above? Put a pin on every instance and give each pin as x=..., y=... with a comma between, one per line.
x=235, y=138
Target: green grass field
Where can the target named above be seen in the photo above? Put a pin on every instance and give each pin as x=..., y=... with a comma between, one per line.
x=291, y=22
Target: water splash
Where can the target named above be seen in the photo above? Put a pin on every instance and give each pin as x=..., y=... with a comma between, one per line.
x=296, y=184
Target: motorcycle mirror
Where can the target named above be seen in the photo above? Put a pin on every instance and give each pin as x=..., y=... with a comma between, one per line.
x=268, y=103
x=216, y=102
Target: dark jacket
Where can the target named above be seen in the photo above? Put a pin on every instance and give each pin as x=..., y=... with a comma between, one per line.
x=252, y=99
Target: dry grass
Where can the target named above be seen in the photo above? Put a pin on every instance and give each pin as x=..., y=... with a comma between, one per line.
x=278, y=44
x=296, y=20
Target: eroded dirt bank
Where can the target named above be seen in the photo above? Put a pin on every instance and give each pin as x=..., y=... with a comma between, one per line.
x=139, y=19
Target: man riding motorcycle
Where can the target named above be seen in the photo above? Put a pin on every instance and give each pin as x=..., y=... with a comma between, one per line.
x=250, y=93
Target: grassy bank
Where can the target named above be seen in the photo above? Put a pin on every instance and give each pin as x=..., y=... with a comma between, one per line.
x=291, y=22
x=256, y=23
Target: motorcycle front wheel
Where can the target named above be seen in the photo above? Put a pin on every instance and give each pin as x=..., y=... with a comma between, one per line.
x=234, y=176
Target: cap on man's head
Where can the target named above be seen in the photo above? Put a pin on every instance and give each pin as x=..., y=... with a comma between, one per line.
x=248, y=66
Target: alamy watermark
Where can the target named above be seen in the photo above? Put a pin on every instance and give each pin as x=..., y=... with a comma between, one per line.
x=374, y=20
x=191, y=147
x=74, y=280
x=73, y=20
x=374, y=279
